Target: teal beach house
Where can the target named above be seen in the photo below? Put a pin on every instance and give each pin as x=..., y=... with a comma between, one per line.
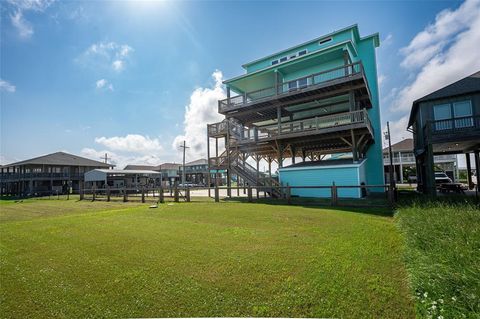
x=315, y=104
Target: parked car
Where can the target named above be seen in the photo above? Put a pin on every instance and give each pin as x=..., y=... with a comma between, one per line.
x=412, y=179
x=441, y=178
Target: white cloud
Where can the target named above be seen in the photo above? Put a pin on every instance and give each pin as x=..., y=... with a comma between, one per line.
x=23, y=27
x=131, y=143
x=103, y=84
x=18, y=7
x=448, y=26
x=6, y=86
x=117, y=65
x=121, y=160
x=438, y=56
x=202, y=110
x=381, y=79
x=388, y=39
x=108, y=55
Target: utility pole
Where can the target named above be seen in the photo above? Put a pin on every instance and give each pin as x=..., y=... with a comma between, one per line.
x=183, y=170
x=106, y=158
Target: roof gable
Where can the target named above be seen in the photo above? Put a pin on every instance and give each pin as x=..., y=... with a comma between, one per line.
x=61, y=158
x=469, y=84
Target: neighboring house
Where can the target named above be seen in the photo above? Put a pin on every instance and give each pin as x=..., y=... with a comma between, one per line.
x=446, y=121
x=53, y=172
x=118, y=178
x=170, y=173
x=305, y=102
x=196, y=172
x=404, y=164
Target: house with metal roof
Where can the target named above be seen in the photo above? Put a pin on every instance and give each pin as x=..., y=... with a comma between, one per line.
x=443, y=122
x=118, y=178
x=56, y=172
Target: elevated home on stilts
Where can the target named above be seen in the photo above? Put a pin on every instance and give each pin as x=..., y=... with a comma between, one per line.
x=307, y=103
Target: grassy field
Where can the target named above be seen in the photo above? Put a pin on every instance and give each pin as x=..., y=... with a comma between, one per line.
x=82, y=259
x=443, y=256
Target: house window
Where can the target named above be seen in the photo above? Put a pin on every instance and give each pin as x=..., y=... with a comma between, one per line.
x=302, y=83
x=303, y=52
x=442, y=114
x=293, y=56
x=458, y=115
x=283, y=59
x=462, y=111
x=326, y=40
x=274, y=62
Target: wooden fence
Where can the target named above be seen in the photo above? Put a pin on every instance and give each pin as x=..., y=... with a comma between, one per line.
x=370, y=195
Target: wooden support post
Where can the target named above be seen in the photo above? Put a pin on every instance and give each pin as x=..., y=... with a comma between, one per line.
x=125, y=195
x=217, y=195
x=477, y=169
x=469, y=171
x=292, y=149
x=81, y=191
x=176, y=194
x=143, y=195
x=187, y=194
x=288, y=193
x=208, y=161
x=250, y=199
x=354, y=147
x=238, y=186
x=279, y=119
x=108, y=193
x=93, y=194
x=334, y=194
x=161, y=197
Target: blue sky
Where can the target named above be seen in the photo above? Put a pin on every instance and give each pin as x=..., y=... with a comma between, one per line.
x=135, y=78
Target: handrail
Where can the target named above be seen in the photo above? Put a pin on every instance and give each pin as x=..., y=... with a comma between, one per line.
x=292, y=85
x=312, y=124
x=462, y=123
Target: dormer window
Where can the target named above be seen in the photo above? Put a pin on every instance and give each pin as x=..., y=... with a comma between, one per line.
x=274, y=62
x=293, y=56
x=326, y=40
x=303, y=52
x=283, y=59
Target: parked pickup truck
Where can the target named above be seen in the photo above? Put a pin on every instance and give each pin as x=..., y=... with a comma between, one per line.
x=441, y=178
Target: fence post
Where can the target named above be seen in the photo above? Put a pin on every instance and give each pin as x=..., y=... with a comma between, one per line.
x=249, y=190
x=143, y=194
x=93, y=194
x=187, y=194
x=81, y=190
x=289, y=201
x=334, y=194
x=108, y=193
x=175, y=194
x=125, y=196
x=161, y=199
x=217, y=195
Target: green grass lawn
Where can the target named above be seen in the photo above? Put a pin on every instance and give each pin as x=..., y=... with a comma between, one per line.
x=82, y=259
x=443, y=256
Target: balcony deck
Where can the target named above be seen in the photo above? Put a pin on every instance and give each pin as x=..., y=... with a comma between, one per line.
x=263, y=103
x=326, y=133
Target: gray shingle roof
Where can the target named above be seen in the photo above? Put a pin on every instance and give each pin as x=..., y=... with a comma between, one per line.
x=169, y=166
x=141, y=167
x=404, y=145
x=201, y=161
x=470, y=84
x=61, y=158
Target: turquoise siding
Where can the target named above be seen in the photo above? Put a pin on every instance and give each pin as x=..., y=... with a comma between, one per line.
x=342, y=175
x=337, y=38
